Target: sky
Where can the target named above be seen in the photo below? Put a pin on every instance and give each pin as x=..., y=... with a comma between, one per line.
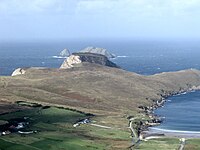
x=65, y=19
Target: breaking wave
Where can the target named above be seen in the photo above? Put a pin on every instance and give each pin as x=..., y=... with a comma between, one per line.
x=58, y=57
x=122, y=56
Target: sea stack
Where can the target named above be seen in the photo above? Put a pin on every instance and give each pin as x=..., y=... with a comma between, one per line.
x=70, y=61
x=89, y=55
x=65, y=53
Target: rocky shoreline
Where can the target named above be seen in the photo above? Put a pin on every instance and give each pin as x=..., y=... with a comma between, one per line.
x=140, y=129
x=155, y=120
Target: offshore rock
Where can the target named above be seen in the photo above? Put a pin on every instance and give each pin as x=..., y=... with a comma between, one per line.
x=18, y=71
x=70, y=62
x=101, y=51
x=65, y=53
x=77, y=58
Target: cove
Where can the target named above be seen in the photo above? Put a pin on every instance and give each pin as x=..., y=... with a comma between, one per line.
x=181, y=113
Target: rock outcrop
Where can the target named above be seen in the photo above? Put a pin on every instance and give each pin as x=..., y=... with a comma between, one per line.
x=101, y=51
x=70, y=62
x=77, y=58
x=18, y=71
x=65, y=53
x=95, y=58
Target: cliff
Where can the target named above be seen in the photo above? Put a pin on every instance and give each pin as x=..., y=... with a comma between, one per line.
x=18, y=71
x=78, y=58
x=70, y=62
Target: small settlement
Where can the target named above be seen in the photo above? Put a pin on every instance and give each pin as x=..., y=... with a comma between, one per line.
x=17, y=125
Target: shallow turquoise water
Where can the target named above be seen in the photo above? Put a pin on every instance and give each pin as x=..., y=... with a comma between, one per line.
x=181, y=112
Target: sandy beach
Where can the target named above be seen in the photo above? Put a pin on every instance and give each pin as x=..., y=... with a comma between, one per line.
x=152, y=131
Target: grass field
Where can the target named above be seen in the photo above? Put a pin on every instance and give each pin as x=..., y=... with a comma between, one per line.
x=192, y=144
x=169, y=144
x=56, y=132
x=160, y=144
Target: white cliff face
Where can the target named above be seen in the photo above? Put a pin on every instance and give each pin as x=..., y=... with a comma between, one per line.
x=70, y=61
x=18, y=71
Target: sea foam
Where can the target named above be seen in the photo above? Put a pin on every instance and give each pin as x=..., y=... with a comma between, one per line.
x=59, y=57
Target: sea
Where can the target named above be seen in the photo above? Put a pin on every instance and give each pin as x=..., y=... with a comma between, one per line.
x=142, y=56
x=182, y=113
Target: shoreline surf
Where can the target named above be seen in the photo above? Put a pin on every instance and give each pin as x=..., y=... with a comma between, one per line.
x=173, y=133
x=172, y=100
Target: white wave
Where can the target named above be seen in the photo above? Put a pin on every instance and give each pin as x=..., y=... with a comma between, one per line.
x=174, y=131
x=184, y=93
x=181, y=94
x=122, y=56
x=59, y=57
x=169, y=100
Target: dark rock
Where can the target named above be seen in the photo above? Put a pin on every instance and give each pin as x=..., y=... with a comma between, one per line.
x=101, y=51
x=95, y=58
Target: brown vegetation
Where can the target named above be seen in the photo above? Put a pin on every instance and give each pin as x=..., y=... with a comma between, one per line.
x=96, y=89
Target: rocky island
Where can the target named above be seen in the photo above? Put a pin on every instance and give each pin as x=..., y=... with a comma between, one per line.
x=91, y=83
x=78, y=58
x=65, y=53
x=97, y=50
x=91, y=55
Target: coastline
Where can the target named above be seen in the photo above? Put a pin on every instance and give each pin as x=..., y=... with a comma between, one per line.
x=174, y=133
x=150, y=130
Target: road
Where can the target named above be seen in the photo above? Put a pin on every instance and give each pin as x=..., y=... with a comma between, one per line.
x=183, y=141
x=96, y=125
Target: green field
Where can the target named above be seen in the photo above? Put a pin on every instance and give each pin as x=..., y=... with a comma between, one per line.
x=169, y=144
x=192, y=144
x=56, y=132
x=160, y=144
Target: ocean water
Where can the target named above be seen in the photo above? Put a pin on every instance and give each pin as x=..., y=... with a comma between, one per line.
x=145, y=57
x=181, y=113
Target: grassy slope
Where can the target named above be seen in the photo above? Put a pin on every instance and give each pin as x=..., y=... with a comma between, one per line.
x=192, y=144
x=109, y=93
x=56, y=132
x=160, y=144
x=93, y=88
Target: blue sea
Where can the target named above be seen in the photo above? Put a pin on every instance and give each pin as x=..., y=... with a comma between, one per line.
x=141, y=56
x=182, y=113
x=145, y=57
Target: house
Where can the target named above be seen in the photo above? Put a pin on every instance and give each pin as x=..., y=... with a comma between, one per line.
x=20, y=125
x=84, y=121
x=5, y=132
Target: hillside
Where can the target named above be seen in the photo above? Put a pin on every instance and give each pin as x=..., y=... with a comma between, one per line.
x=83, y=57
x=95, y=89
x=114, y=97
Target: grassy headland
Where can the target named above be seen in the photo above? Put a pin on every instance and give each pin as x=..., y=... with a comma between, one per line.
x=113, y=95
